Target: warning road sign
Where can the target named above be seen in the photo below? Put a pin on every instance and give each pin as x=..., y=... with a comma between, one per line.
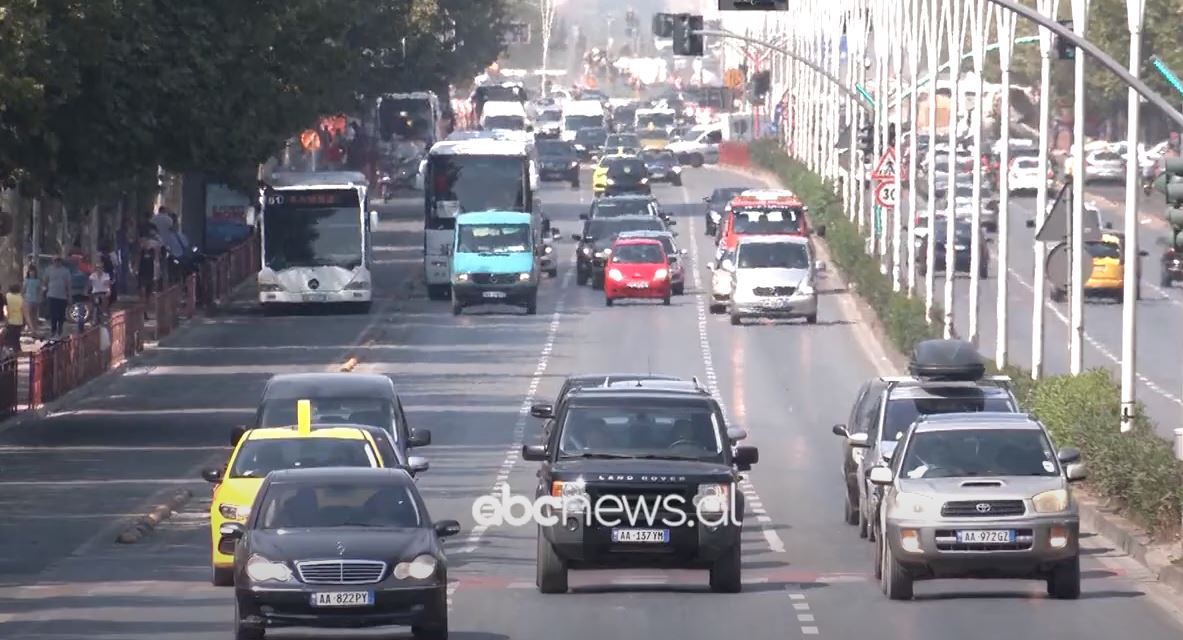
x=885, y=194
x=885, y=170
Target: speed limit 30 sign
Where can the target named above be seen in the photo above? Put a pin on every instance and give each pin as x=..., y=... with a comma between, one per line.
x=885, y=194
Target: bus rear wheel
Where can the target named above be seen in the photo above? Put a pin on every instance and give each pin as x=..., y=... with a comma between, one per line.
x=438, y=292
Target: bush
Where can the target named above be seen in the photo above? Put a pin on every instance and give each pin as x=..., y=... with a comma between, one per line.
x=1137, y=468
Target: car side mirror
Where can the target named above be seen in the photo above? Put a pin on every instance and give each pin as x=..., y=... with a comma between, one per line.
x=840, y=431
x=534, y=452
x=419, y=438
x=881, y=476
x=671, y=222
x=1143, y=254
x=583, y=216
x=236, y=435
x=418, y=464
x=858, y=440
x=745, y=457
x=1108, y=225
x=232, y=530
x=706, y=199
x=446, y=528
x=735, y=434
x=576, y=237
x=1030, y=223
x=819, y=266
x=212, y=476
x=1068, y=455
x=1076, y=472
x=555, y=234
x=252, y=216
x=543, y=410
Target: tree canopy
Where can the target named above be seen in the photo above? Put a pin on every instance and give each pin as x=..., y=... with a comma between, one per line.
x=95, y=92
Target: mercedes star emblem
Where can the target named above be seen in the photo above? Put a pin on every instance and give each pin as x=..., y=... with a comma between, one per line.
x=340, y=548
x=314, y=284
x=983, y=507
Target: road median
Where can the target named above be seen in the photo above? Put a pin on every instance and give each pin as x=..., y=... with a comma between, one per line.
x=1135, y=477
x=146, y=523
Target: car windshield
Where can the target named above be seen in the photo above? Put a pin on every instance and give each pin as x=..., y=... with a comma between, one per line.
x=493, y=238
x=1106, y=156
x=258, y=457
x=575, y=123
x=655, y=119
x=659, y=156
x=556, y=149
x=961, y=231
x=961, y=453
x=723, y=196
x=550, y=115
x=1027, y=163
x=375, y=412
x=675, y=430
x=646, y=253
x=594, y=136
x=627, y=140
x=626, y=207
x=516, y=123
x=338, y=504
x=599, y=229
x=902, y=412
x=653, y=134
x=773, y=255
x=630, y=168
x=1103, y=250
x=757, y=221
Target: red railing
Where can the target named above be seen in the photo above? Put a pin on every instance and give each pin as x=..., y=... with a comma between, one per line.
x=60, y=367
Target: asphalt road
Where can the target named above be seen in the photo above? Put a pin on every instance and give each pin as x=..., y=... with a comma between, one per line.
x=468, y=378
x=1159, y=350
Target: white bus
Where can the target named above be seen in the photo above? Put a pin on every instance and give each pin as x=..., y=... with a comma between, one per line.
x=316, y=230
x=493, y=173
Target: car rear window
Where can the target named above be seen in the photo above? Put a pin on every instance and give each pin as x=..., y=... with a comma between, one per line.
x=900, y=413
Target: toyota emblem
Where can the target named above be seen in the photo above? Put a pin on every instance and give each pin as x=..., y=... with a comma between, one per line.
x=314, y=284
x=983, y=507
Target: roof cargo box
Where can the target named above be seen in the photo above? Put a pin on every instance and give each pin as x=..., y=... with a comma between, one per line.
x=946, y=360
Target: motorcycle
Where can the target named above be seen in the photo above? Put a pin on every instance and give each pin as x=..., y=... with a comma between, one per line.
x=1147, y=185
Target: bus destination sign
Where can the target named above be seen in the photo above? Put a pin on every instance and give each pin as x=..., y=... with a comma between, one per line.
x=313, y=199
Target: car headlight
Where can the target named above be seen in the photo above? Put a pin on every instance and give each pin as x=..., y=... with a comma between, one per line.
x=676, y=169
x=420, y=568
x=1053, y=501
x=462, y=277
x=358, y=285
x=523, y=277
x=548, y=249
x=609, y=181
x=260, y=569
x=805, y=289
x=615, y=275
x=661, y=274
x=644, y=180
x=269, y=288
x=586, y=251
x=715, y=217
x=960, y=247
x=234, y=512
x=574, y=163
x=580, y=147
x=914, y=503
x=712, y=498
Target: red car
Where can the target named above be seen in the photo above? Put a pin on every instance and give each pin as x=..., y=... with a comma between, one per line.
x=637, y=268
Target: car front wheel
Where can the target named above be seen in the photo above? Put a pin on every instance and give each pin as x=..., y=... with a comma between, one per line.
x=727, y=571
x=1064, y=582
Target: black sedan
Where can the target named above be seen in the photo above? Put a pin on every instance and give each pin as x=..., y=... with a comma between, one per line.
x=663, y=166
x=557, y=160
x=717, y=203
x=339, y=548
x=627, y=175
x=962, y=247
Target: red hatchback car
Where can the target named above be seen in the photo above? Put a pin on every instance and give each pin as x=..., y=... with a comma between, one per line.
x=637, y=268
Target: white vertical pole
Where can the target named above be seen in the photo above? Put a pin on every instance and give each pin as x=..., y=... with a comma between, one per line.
x=897, y=69
x=860, y=116
x=852, y=109
x=1080, y=16
x=835, y=100
x=1135, y=10
x=937, y=18
x=914, y=25
x=878, y=46
x=956, y=33
x=1006, y=40
x=979, y=30
x=1049, y=8
x=547, y=8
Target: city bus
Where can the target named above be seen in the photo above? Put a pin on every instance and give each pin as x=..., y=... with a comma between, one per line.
x=316, y=232
x=486, y=173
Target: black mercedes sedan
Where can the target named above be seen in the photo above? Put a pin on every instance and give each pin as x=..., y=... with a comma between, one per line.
x=339, y=548
x=663, y=166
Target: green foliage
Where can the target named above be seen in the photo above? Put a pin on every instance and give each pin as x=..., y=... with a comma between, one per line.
x=1137, y=468
x=95, y=94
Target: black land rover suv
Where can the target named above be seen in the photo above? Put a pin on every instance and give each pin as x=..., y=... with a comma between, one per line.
x=641, y=475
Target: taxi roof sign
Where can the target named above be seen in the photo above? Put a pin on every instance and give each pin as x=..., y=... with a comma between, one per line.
x=304, y=416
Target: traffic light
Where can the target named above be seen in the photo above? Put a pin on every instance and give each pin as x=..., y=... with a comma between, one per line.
x=761, y=84
x=1065, y=50
x=686, y=41
x=663, y=25
x=866, y=139
x=1174, y=190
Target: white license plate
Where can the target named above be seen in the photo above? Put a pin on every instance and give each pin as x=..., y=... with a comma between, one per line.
x=315, y=297
x=986, y=537
x=343, y=599
x=638, y=285
x=651, y=536
x=494, y=294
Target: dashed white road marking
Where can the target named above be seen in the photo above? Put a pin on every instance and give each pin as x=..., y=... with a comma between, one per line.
x=519, y=429
x=712, y=379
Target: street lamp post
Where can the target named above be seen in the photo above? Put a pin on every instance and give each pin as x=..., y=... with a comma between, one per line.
x=547, y=8
x=1049, y=8
x=937, y=19
x=956, y=33
x=1080, y=16
x=979, y=25
x=1135, y=13
x=915, y=19
x=1006, y=40
x=897, y=125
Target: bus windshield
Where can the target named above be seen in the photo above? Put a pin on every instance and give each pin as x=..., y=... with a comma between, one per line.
x=407, y=118
x=462, y=183
x=320, y=228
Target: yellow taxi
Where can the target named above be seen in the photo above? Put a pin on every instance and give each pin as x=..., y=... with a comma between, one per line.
x=1108, y=274
x=600, y=172
x=261, y=451
x=653, y=139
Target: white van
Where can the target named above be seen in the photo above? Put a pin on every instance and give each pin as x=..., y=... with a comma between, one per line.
x=505, y=115
x=582, y=114
x=700, y=145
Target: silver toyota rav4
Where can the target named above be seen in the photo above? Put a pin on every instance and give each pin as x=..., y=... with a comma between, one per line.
x=978, y=495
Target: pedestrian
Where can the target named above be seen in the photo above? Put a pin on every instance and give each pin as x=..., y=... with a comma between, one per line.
x=57, y=294
x=109, y=259
x=146, y=271
x=32, y=293
x=99, y=285
x=14, y=318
